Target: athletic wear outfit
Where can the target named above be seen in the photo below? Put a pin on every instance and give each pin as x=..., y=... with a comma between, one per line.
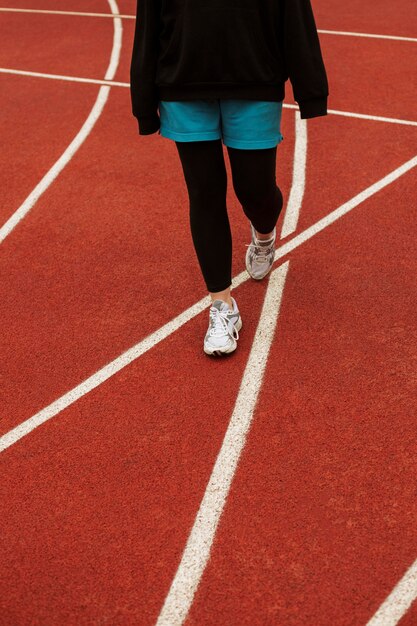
x=207, y=71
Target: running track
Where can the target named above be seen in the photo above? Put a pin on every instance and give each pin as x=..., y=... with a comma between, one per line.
x=142, y=482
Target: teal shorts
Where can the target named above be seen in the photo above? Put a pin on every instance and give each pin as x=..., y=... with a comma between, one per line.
x=246, y=124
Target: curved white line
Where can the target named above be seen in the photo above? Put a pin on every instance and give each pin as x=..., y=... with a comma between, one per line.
x=197, y=550
x=79, y=139
x=117, y=41
x=299, y=178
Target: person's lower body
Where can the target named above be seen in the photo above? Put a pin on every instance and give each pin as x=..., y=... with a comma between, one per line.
x=251, y=132
x=254, y=183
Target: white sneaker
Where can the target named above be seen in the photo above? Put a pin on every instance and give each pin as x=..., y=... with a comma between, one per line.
x=260, y=255
x=223, y=331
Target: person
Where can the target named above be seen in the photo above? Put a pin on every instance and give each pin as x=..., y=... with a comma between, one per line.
x=205, y=72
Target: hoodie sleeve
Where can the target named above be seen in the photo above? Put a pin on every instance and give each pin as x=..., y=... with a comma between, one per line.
x=143, y=90
x=304, y=59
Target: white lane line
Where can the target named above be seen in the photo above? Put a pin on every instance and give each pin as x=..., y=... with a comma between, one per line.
x=399, y=600
x=344, y=208
x=153, y=339
x=111, y=83
x=71, y=79
x=373, y=118
x=367, y=35
x=360, y=116
x=117, y=42
x=132, y=17
x=76, y=13
x=78, y=140
x=102, y=375
x=197, y=550
x=200, y=540
x=299, y=178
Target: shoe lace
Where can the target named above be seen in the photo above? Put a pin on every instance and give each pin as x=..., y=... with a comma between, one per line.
x=261, y=252
x=220, y=324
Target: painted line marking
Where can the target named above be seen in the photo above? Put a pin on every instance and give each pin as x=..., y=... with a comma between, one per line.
x=197, y=550
x=295, y=199
x=360, y=116
x=75, y=13
x=102, y=375
x=200, y=540
x=78, y=140
x=26, y=427
x=73, y=79
x=111, y=83
x=344, y=208
x=372, y=118
x=132, y=17
x=367, y=35
x=399, y=600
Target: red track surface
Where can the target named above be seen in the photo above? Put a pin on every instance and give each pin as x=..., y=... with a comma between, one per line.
x=97, y=504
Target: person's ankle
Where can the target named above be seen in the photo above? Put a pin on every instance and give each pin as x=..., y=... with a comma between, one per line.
x=228, y=302
x=262, y=237
x=224, y=296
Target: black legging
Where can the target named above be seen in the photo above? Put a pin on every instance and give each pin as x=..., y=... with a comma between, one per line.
x=254, y=183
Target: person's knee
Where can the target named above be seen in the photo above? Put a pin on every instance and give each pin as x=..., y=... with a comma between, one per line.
x=209, y=192
x=255, y=196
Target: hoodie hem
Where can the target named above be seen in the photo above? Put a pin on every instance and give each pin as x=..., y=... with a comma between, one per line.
x=229, y=91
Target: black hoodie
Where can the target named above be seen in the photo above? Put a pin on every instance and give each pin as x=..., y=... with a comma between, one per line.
x=205, y=49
